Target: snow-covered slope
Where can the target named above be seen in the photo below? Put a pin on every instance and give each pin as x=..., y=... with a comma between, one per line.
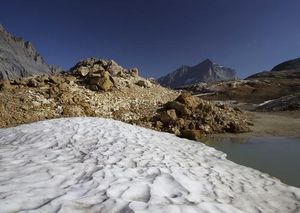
x=98, y=165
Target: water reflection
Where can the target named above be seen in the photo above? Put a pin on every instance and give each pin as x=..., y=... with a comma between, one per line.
x=276, y=156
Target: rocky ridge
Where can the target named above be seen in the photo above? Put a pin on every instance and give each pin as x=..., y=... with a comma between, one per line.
x=19, y=58
x=101, y=88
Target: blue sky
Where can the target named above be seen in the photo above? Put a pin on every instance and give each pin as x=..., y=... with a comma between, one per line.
x=157, y=36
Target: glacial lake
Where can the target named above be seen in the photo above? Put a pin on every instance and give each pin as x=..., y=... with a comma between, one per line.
x=279, y=157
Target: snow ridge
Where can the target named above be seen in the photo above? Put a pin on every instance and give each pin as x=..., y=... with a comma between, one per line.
x=100, y=165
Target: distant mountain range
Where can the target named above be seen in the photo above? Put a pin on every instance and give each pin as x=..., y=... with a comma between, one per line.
x=18, y=58
x=206, y=71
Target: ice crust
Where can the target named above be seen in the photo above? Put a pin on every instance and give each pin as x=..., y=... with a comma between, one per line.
x=101, y=165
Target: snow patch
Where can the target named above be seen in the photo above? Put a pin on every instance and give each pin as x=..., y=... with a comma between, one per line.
x=99, y=165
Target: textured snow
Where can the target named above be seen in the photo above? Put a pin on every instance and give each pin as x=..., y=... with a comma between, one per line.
x=99, y=165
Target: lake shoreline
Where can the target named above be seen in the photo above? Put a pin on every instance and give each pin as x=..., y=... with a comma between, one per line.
x=266, y=124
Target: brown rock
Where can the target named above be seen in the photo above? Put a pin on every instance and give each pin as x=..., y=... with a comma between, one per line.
x=5, y=85
x=134, y=72
x=72, y=111
x=168, y=116
x=32, y=83
x=93, y=87
x=70, y=79
x=188, y=100
x=192, y=134
x=144, y=83
x=180, y=122
x=105, y=84
x=179, y=107
x=56, y=79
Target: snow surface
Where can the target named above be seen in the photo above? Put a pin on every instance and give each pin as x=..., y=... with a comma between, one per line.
x=99, y=165
x=265, y=102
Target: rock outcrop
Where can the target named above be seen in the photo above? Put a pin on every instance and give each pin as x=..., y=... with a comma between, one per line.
x=191, y=117
x=206, y=71
x=18, y=58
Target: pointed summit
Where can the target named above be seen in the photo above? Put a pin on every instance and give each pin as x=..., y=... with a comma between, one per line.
x=206, y=71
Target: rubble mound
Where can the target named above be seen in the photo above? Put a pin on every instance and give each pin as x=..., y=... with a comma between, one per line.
x=93, y=87
x=192, y=117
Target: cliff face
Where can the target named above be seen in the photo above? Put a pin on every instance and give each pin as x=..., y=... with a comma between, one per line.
x=206, y=71
x=18, y=58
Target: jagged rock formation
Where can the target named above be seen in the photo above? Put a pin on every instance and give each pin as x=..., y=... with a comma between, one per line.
x=288, y=65
x=18, y=58
x=206, y=71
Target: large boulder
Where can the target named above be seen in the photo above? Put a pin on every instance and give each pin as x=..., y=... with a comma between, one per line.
x=188, y=100
x=179, y=107
x=168, y=116
x=104, y=82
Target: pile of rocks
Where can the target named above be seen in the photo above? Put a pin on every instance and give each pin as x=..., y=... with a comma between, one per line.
x=192, y=118
x=97, y=74
x=107, y=91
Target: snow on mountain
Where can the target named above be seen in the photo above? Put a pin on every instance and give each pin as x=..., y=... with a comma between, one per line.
x=206, y=71
x=99, y=165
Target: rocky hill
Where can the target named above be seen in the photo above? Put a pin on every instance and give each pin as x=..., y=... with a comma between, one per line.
x=206, y=71
x=18, y=58
x=102, y=88
x=288, y=65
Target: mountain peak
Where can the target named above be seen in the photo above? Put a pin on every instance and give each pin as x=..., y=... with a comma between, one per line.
x=207, y=61
x=206, y=71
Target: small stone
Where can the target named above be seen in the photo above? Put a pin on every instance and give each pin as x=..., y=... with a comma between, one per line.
x=134, y=72
x=5, y=85
x=32, y=83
